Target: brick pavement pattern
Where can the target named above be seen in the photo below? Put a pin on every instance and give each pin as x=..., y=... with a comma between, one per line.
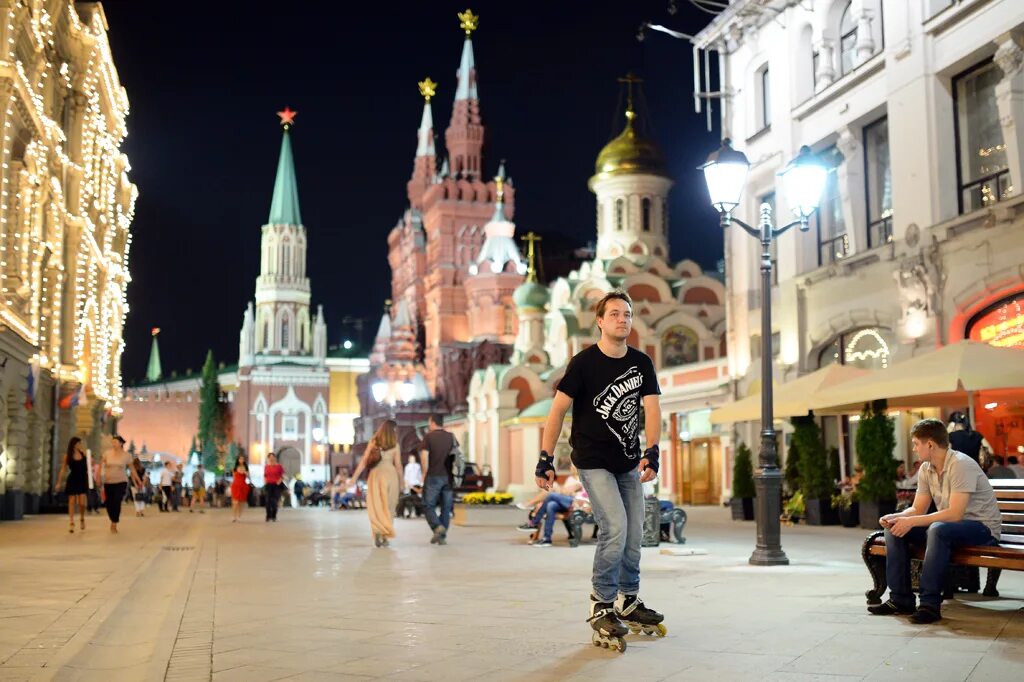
x=194, y=597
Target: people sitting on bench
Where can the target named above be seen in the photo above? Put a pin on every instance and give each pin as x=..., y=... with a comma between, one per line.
x=967, y=515
x=547, y=506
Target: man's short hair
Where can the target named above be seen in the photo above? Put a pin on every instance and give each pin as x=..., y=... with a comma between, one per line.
x=437, y=419
x=119, y=439
x=931, y=429
x=998, y=459
x=1012, y=459
x=611, y=296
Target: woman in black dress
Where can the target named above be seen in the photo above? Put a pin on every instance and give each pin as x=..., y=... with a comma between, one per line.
x=77, y=465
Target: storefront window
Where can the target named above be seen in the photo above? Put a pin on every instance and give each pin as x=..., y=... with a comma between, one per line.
x=981, y=151
x=1000, y=325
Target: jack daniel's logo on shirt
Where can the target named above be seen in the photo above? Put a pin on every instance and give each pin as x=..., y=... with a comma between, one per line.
x=618, y=404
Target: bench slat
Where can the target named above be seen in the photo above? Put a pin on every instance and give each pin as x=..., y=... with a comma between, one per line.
x=1004, y=550
x=1011, y=506
x=1007, y=483
x=1012, y=518
x=1013, y=528
x=1011, y=539
x=1009, y=494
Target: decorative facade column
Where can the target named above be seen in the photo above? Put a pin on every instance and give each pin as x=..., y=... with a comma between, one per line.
x=850, y=176
x=1010, y=100
x=865, y=37
x=826, y=72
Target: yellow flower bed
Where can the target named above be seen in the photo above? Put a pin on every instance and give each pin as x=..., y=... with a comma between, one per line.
x=487, y=498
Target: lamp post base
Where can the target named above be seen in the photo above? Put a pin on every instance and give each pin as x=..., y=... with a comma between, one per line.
x=769, y=557
x=767, y=508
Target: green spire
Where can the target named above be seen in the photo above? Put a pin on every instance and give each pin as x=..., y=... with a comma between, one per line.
x=154, y=372
x=284, y=209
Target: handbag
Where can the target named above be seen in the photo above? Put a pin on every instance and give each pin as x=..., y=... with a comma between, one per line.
x=373, y=457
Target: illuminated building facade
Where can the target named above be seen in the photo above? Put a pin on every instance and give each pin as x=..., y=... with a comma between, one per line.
x=66, y=207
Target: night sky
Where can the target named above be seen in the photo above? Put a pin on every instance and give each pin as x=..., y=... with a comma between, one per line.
x=205, y=81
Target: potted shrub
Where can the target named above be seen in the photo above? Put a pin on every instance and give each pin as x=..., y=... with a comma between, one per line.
x=791, y=472
x=743, y=491
x=876, y=440
x=815, y=476
x=845, y=503
x=794, y=509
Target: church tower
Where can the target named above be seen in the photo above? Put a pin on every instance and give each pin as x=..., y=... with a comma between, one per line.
x=631, y=183
x=280, y=325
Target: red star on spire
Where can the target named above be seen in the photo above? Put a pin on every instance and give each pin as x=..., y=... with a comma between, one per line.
x=287, y=116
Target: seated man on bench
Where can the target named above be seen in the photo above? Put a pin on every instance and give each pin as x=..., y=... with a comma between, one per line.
x=968, y=514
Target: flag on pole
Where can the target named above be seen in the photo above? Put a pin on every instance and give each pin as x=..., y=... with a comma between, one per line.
x=73, y=399
x=33, y=384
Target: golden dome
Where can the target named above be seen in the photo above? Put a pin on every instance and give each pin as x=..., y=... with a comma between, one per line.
x=630, y=154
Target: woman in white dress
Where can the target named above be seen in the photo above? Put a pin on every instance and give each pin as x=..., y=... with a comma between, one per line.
x=383, y=483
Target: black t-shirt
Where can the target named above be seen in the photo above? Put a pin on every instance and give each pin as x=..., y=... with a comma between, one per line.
x=607, y=395
x=438, y=444
x=967, y=442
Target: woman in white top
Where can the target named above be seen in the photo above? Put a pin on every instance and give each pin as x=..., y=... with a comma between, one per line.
x=413, y=473
x=114, y=476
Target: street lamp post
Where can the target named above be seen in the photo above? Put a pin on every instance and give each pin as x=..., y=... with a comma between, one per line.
x=802, y=180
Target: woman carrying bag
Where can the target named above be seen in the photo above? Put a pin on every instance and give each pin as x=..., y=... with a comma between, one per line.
x=383, y=484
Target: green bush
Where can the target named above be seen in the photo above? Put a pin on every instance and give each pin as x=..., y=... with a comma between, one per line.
x=833, y=464
x=815, y=479
x=743, y=474
x=876, y=440
x=794, y=506
x=792, y=468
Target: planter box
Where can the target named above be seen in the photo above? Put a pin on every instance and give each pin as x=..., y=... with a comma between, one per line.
x=850, y=517
x=742, y=508
x=487, y=515
x=820, y=513
x=31, y=503
x=871, y=511
x=13, y=508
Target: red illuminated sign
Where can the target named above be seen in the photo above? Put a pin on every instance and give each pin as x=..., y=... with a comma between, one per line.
x=1002, y=326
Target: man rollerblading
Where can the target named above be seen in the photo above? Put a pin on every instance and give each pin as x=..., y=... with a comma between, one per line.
x=607, y=385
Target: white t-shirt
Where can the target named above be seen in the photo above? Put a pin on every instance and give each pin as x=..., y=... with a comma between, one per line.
x=413, y=474
x=166, y=477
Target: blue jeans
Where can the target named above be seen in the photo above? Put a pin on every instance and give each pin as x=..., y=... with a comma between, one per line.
x=939, y=540
x=552, y=505
x=438, y=491
x=618, y=504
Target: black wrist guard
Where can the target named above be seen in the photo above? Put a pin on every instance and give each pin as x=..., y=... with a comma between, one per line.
x=651, y=454
x=544, y=465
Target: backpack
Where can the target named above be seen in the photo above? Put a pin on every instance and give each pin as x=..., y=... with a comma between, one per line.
x=456, y=463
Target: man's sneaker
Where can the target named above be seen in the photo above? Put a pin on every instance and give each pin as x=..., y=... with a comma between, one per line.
x=925, y=615
x=889, y=608
x=520, y=505
x=438, y=532
x=545, y=542
x=443, y=540
x=526, y=528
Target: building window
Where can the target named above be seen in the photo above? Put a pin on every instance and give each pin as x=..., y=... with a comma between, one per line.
x=664, y=217
x=982, y=172
x=764, y=106
x=878, y=177
x=645, y=209
x=833, y=243
x=286, y=257
x=773, y=249
x=289, y=428
x=847, y=40
x=266, y=334
x=815, y=61
x=620, y=209
x=302, y=337
x=679, y=346
x=284, y=333
x=600, y=218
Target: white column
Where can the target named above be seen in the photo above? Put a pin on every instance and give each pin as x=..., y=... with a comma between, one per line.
x=826, y=64
x=850, y=176
x=865, y=38
x=1010, y=100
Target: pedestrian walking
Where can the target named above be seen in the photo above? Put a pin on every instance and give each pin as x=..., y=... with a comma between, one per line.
x=198, y=489
x=606, y=385
x=439, y=448
x=273, y=473
x=239, y=488
x=76, y=486
x=114, y=476
x=179, y=480
x=166, y=485
x=139, y=486
x=382, y=485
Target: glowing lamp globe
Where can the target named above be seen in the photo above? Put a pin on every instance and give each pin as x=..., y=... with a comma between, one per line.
x=406, y=391
x=803, y=181
x=725, y=172
x=379, y=390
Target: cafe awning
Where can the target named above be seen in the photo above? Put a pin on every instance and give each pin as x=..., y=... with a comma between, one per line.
x=942, y=377
x=791, y=399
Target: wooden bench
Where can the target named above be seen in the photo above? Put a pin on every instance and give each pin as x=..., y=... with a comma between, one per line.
x=574, y=521
x=1007, y=555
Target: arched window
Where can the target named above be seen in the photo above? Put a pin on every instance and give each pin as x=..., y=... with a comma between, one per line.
x=847, y=40
x=302, y=337
x=645, y=209
x=266, y=334
x=286, y=259
x=620, y=211
x=600, y=218
x=664, y=217
x=284, y=333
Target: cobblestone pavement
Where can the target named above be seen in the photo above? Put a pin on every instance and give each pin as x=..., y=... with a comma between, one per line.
x=195, y=597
